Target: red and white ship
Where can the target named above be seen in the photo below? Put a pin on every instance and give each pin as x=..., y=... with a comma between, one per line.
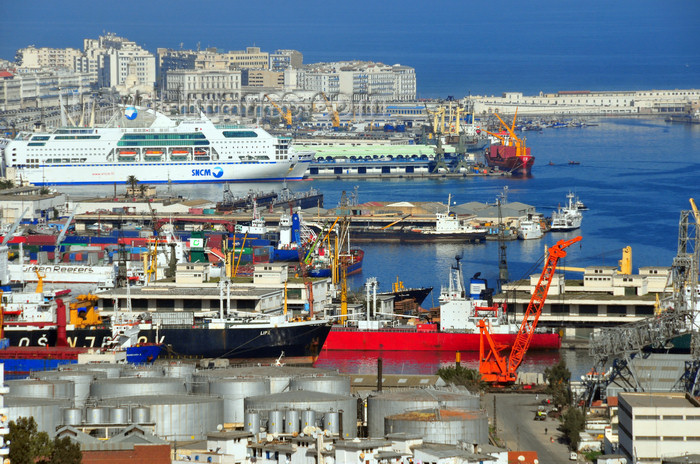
x=456, y=331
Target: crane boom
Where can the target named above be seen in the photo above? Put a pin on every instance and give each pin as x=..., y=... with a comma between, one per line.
x=335, y=117
x=493, y=367
x=287, y=116
x=60, y=237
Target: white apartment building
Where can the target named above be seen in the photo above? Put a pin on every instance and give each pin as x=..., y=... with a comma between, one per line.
x=361, y=81
x=589, y=102
x=41, y=58
x=202, y=84
x=36, y=89
x=284, y=59
x=653, y=426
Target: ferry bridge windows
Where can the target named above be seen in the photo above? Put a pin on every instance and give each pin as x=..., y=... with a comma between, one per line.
x=194, y=305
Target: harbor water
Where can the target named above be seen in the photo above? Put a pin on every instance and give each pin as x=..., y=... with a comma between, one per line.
x=635, y=175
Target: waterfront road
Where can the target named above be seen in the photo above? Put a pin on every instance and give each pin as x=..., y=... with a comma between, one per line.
x=518, y=430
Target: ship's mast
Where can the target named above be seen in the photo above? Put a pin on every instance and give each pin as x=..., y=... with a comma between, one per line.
x=502, y=247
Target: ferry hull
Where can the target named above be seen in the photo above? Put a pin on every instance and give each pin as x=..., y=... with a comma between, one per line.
x=410, y=340
x=162, y=173
x=505, y=159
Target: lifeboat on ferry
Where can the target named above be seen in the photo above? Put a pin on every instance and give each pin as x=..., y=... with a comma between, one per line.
x=127, y=155
x=201, y=155
x=179, y=154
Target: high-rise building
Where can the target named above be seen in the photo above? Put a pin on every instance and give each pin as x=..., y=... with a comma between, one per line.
x=283, y=59
x=169, y=59
x=41, y=88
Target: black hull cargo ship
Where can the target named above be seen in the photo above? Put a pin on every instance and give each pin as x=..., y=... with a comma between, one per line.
x=232, y=340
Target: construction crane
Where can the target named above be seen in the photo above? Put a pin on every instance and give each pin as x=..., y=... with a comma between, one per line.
x=496, y=369
x=335, y=117
x=286, y=115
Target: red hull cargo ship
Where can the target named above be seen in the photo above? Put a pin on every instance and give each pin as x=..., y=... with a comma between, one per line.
x=458, y=329
x=505, y=158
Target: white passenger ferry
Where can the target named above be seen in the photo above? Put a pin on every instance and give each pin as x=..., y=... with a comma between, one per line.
x=154, y=148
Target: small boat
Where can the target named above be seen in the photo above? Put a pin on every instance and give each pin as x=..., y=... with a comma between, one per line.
x=574, y=163
x=551, y=163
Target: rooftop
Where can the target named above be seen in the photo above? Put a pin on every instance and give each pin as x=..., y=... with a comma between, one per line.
x=659, y=400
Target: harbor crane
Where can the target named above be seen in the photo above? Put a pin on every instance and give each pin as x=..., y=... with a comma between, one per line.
x=59, y=239
x=494, y=367
x=335, y=117
x=286, y=115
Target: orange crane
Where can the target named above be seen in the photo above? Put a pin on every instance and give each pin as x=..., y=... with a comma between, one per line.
x=511, y=139
x=496, y=369
x=286, y=115
x=335, y=117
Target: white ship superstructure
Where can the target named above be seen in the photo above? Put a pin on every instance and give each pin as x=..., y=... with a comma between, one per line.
x=153, y=148
x=568, y=217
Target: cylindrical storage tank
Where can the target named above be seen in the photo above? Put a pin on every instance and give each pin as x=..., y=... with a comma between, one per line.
x=34, y=388
x=234, y=392
x=47, y=412
x=335, y=384
x=199, y=385
x=112, y=371
x=72, y=416
x=136, y=386
x=144, y=371
x=252, y=422
x=331, y=421
x=308, y=418
x=384, y=404
x=177, y=416
x=447, y=426
x=81, y=380
x=292, y=418
x=140, y=415
x=275, y=422
x=317, y=401
x=119, y=415
x=180, y=370
x=97, y=416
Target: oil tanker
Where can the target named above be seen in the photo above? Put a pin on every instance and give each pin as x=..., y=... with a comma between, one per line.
x=506, y=158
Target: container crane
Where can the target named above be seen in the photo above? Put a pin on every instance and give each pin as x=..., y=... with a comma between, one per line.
x=335, y=117
x=286, y=115
x=496, y=369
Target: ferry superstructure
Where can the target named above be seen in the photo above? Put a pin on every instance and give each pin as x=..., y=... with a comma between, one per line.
x=153, y=148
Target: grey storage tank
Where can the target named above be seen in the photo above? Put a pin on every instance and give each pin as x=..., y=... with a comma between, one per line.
x=47, y=412
x=181, y=370
x=292, y=419
x=317, y=401
x=331, y=421
x=72, y=416
x=97, y=415
x=336, y=384
x=35, y=388
x=252, y=422
x=308, y=418
x=81, y=380
x=447, y=426
x=136, y=386
x=140, y=415
x=234, y=392
x=384, y=404
x=177, y=416
x=119, y=415
x=275, y=421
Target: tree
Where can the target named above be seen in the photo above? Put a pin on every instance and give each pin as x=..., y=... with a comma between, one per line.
x=558, y=377
x=142, y=189
x=132, y=180
x=65, y=451
x=573, y=424
x=29, y=446
x=458, y=375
